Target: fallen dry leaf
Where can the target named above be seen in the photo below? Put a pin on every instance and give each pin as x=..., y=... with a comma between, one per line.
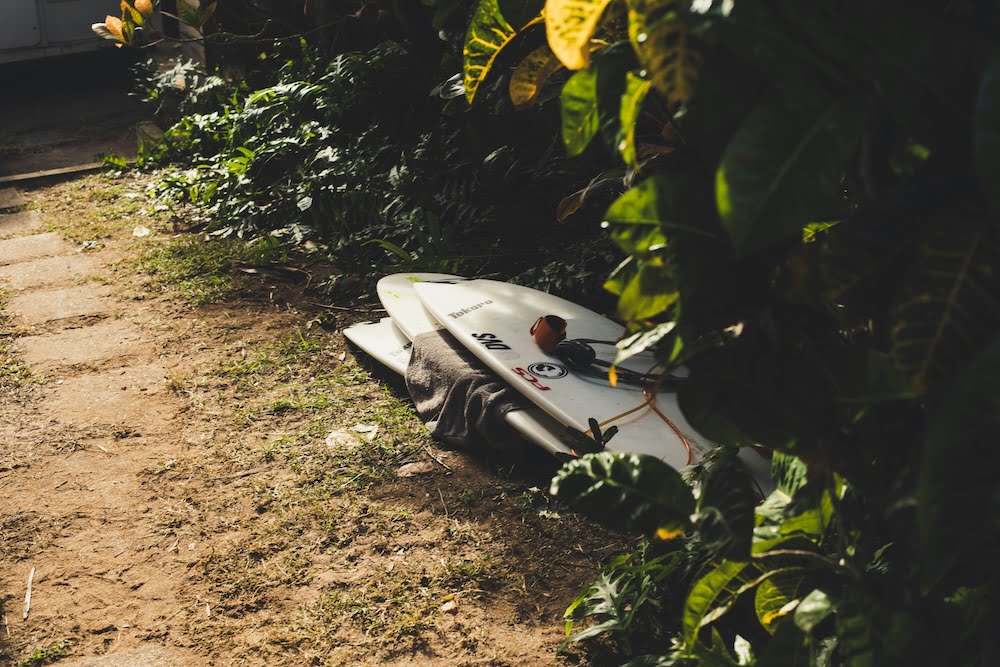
x=367, y=431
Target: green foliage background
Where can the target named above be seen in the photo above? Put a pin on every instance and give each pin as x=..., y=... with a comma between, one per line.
x=804, y=201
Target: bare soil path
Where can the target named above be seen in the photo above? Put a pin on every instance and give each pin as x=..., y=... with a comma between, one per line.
x=225, y=484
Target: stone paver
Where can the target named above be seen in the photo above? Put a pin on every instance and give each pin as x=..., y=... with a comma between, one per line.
x=99, y=342
x=111, y=397
x=24, y=248
x=47, y=271
x=19, y=222
x=40, y=306
x=11, y=198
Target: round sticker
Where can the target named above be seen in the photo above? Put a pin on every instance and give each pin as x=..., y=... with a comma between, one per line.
x=547, y=370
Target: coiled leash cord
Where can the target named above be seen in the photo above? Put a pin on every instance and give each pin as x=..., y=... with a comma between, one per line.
x=549, y=332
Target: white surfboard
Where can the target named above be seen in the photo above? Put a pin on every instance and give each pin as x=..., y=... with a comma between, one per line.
x=401, y=303
x=493, y=319
x=385, y=342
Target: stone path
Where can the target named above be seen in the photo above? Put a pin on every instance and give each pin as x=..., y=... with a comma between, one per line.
x=69, y=456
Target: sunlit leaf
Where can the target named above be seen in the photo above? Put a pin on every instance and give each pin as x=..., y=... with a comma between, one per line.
x=580, y=117
x=789, y=473
x=777, y=597
x=642, y=341
x=144, y=7
x=650, y=291
x=636, y=89
x=531, y=74
x=665, y=48
x=488, y=33
x=131, y=13
x=569, y=26
x=649, y=203
x=114, y=26
x=813, y=610
x=713, y=595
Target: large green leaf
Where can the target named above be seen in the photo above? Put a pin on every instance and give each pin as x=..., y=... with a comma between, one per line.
x=636, y=89
x=789, y=473
x=813, y=610
x=612, y=65
x=569, y=26
x=651, y=203
x=580, y=115
x=777, y=597
x=958, y=502
x=488, y=33
x=665, y=47
x=713, y=594
x=951, y=301
x=632, y=492
x=650, y=291
x=986, y=138
x=783, y=168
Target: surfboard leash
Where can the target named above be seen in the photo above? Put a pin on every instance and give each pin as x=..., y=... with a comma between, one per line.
x=549, y=333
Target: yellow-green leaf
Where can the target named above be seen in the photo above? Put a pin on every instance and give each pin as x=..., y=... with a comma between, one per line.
x=130, y=13
x=569, y=26
x=488, y=33
x=778, y=596
x=580, y=117
x=531, y=74
x=636, y=89
x=664, y=47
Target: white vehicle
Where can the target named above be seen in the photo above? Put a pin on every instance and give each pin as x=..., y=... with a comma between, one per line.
x=31, y=29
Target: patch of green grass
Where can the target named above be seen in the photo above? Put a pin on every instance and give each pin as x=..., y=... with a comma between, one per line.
x=204, y=270
x=404, y=602
x=300, y=401
x=46, y=655
x=116, y=207
x=284, y=360
x=197, y=271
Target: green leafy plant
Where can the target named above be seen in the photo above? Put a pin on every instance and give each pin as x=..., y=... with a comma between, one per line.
x=816, y=241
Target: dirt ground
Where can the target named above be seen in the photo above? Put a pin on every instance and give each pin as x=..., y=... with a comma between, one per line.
x=195, y=469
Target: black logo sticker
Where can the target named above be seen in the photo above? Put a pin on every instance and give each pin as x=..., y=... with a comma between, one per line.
x=548, y=370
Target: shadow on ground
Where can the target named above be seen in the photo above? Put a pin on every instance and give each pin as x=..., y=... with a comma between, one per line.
x=63, y=112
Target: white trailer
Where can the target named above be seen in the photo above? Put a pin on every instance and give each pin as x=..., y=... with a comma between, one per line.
x=31, y=29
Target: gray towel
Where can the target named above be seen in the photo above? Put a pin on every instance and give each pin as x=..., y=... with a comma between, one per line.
x=461, y=401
